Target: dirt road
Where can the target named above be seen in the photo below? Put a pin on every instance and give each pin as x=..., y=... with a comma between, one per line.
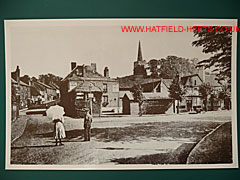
x=161, y=139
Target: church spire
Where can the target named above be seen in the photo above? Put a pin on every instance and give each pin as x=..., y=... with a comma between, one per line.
x=139, y=57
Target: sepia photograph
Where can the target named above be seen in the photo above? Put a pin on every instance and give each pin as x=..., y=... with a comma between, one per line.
x=105, y=94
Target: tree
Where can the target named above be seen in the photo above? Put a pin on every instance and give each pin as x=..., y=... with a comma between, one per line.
x=225, y=95
x=138, y=96
x=154, y=67
x=176, y=91
x=50, y=79
x=219, y=44
x=205, y=90
x=170, y=65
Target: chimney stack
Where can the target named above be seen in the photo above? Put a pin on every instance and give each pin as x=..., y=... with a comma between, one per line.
x=18, y=75
x=73, y=65
x=94, y=67
x=83, y=70
x=106, y=72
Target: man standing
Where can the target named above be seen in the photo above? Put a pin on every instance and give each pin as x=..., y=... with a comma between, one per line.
x=87, y=125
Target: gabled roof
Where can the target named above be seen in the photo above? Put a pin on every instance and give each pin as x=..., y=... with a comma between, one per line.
x=128, y=82
x=54, y=86
x=13, y=81
x=154, y=96
x=45, y=85
x=21, y=83
x=87, y=86
x=147, y=96
x=88, y=73
x=129, y=95
x=185, y=78
x=167, y=82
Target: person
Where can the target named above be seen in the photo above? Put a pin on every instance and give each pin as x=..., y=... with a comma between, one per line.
x=59, y=131
x=87, y=125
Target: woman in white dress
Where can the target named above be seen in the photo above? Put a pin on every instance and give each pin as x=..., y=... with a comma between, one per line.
x=59, y=131
x=56, y=113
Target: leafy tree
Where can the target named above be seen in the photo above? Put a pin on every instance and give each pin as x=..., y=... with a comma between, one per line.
x=176, y=91
x=50, y=79
x=138, y=96
x=225, y=95
x=219, y=44
x=205, y=90
x=154, y=67
x=170, y=65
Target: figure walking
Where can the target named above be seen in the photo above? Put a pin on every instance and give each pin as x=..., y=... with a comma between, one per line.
x=56, y=113
x=87, y=125
x=59, y=131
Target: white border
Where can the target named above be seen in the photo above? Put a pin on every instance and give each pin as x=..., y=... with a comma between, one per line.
x=103, y=22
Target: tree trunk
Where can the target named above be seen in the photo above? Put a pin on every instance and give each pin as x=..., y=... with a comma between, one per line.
x=174, y=106
x=140, y=110
x=177, y=106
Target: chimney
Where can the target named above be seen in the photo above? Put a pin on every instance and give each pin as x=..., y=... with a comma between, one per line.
x=18, y=75
x=94, y=67
x=73, y=65
x=106, y=72
x=83, y=70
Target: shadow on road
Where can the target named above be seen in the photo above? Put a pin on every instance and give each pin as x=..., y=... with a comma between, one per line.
x=179, y=156
x=41, y=146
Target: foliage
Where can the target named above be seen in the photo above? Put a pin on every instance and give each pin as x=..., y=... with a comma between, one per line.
x=167, y=67
x=219, y=45
x=50, y=79
x=154, y=67
x=138, y=96
x=176, y=91
x=205, y=90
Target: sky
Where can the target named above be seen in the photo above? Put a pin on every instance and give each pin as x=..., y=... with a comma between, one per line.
x=41, y=47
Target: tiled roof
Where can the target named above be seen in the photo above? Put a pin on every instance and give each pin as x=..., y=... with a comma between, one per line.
x=185, y=78
x=87, y=86
x=88, y=74
x=21, y=83
x=128, y=82
x=154, y=96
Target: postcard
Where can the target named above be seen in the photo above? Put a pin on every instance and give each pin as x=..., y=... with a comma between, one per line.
x=117, y=94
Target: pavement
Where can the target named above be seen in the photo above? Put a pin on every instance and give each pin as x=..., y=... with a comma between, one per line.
x=114, y=139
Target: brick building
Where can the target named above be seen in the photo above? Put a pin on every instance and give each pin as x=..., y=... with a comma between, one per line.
x=84, y=88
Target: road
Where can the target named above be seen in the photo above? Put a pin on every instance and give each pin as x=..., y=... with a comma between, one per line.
x=159, y=139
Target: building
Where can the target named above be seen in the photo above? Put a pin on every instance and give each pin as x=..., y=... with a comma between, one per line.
x=20, y=93
x=215, y=102
x=20, y=89
x=84, y=88
x=192, y=98
x=155, y=90
x=46, y=92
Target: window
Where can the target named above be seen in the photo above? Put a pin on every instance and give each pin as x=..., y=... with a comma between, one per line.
x=195, y=82
x=104, y=87
x=105, y=101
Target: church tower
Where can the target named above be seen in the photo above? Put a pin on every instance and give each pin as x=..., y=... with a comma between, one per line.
x=140, y=64
x=139, y=57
